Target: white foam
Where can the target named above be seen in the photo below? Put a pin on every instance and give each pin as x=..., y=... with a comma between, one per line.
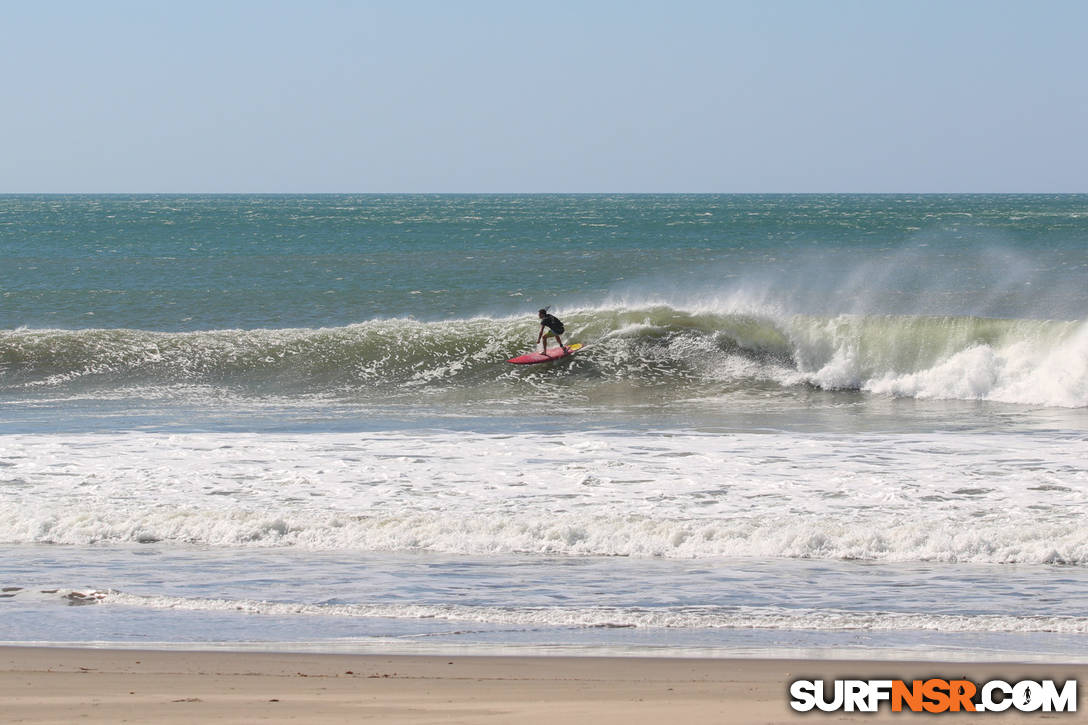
x=666, y=617
x=1019, y=372
x=996, y=498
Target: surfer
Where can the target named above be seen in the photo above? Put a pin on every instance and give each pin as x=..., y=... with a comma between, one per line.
x=555, y=328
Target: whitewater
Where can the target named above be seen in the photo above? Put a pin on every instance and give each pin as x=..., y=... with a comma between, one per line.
x=1002, y=498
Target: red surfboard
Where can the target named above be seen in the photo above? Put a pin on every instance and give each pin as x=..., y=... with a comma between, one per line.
x=553, y=354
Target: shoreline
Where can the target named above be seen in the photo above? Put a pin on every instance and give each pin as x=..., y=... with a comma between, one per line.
x=874, y=655
x=45, y=684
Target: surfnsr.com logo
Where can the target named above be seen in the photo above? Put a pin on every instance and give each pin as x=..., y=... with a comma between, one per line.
x=934, y=695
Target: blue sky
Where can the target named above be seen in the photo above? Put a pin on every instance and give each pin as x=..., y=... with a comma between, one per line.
x=765, y=96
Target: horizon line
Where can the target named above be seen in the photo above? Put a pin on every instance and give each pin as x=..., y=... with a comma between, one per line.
x=543, y=193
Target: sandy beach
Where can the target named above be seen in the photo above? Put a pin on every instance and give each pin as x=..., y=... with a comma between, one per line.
x=56, y=685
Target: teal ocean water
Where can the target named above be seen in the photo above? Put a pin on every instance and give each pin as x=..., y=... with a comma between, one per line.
x=260, y=420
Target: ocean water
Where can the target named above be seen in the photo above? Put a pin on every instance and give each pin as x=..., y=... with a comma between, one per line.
x=800, y=425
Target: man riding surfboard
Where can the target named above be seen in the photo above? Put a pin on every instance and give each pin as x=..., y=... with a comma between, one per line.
x=555, y=327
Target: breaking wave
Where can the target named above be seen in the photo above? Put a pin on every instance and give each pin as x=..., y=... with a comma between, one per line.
x=689, y=351
x=881, y=538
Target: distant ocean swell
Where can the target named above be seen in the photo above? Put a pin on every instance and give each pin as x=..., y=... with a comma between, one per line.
x=1033, y=362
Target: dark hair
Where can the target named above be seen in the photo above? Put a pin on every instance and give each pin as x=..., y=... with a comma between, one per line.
x=543, y=311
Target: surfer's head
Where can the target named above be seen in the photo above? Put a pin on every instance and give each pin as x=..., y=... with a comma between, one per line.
x=542, y=312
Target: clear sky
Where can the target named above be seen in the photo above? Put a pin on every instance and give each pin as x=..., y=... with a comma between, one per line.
x=556, y=96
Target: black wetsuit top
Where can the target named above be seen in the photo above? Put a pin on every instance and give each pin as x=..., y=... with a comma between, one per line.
x=552, y=323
